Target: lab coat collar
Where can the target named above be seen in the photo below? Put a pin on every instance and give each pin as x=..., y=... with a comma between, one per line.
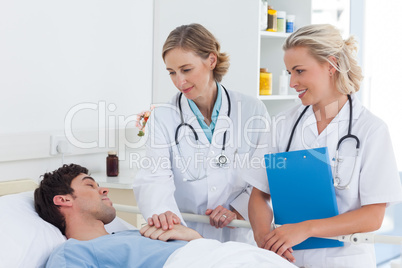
x=343, y=115
x=189, y=113
x=356, y=104
x=190, y=118
x=215, y=109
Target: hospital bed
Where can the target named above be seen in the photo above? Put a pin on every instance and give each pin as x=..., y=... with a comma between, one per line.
x=353, y=238
x=27, y=241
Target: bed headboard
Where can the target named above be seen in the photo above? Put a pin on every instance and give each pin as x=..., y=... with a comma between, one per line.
x=17, y=186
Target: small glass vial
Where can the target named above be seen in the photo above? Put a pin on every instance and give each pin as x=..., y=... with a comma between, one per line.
x=112, y=164
x=265, y=82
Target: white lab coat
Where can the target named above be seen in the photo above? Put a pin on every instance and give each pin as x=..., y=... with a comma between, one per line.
x=376, y=179
x=161, y=186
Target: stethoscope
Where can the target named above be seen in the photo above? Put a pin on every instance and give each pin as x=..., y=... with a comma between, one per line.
x=221, y=160
x=337, y=179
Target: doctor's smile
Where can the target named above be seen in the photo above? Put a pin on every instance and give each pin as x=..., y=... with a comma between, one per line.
x=301, y=93
x=187, y=90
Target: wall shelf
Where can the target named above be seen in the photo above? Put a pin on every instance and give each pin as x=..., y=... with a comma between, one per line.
x=278, y=97
x=266, y=34
x=271, y=54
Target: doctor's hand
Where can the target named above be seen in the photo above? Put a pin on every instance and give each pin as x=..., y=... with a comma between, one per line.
x=220, y=216
x=283, y=238
x=166, y=220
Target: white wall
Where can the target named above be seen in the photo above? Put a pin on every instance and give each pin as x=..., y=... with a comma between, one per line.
x=56, y=56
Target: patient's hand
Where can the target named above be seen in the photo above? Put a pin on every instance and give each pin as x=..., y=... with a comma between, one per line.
x=179, y=232
x=220, y=216
x=166, y=220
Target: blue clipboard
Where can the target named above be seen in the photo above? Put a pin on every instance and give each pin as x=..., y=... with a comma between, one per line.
x=301, y=188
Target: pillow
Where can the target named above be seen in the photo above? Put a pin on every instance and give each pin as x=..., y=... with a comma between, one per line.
x=25, y=239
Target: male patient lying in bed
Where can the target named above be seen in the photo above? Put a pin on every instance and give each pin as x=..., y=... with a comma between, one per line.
x=71, y=200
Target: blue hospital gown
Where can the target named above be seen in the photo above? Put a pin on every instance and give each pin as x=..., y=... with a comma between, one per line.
x=122, y=249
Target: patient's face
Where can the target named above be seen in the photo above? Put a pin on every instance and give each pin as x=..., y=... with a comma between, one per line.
x=91, y=200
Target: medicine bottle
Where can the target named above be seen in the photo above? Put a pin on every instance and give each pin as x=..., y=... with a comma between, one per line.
x=265, y=82
x=281, y=21
x=112, y=164
x=272, y=17
x=290, y=23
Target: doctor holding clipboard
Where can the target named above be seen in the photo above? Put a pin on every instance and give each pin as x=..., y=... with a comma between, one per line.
x=324, y=71
x=197, y=144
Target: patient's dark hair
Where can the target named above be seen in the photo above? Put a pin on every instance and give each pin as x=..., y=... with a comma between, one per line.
x=55, y=183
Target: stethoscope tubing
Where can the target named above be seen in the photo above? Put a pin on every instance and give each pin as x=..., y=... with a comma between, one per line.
x=222, y=158
x=177, y=132
x=347, y=136
x=191, y=127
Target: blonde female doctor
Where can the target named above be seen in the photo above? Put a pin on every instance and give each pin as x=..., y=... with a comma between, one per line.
x=325, y=74
x=201, y=143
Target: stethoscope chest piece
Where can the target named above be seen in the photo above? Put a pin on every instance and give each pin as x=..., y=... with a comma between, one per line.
x=337, y=181
x=221, y=160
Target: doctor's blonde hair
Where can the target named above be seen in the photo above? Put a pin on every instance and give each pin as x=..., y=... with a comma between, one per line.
x=324, y=41
x=195, y=37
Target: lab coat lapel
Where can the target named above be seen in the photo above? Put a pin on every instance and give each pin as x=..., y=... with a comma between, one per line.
x=336, y=129
x=311, y=138
x=337, y=123
x=308, y=128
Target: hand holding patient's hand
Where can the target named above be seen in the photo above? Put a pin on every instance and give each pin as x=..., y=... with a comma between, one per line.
x=166, y=220
x=263, y=240
x=282, y=239
x=179, y=232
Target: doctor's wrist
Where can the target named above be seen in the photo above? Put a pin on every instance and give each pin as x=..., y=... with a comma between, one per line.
x=309, y=228
x=260, y=237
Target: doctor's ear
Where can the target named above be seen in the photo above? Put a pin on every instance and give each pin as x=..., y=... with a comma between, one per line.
x=63, y=200
x=213, y=59
x=333, y=63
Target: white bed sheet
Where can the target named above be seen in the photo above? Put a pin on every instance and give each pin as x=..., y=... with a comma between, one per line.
x=202, y=253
